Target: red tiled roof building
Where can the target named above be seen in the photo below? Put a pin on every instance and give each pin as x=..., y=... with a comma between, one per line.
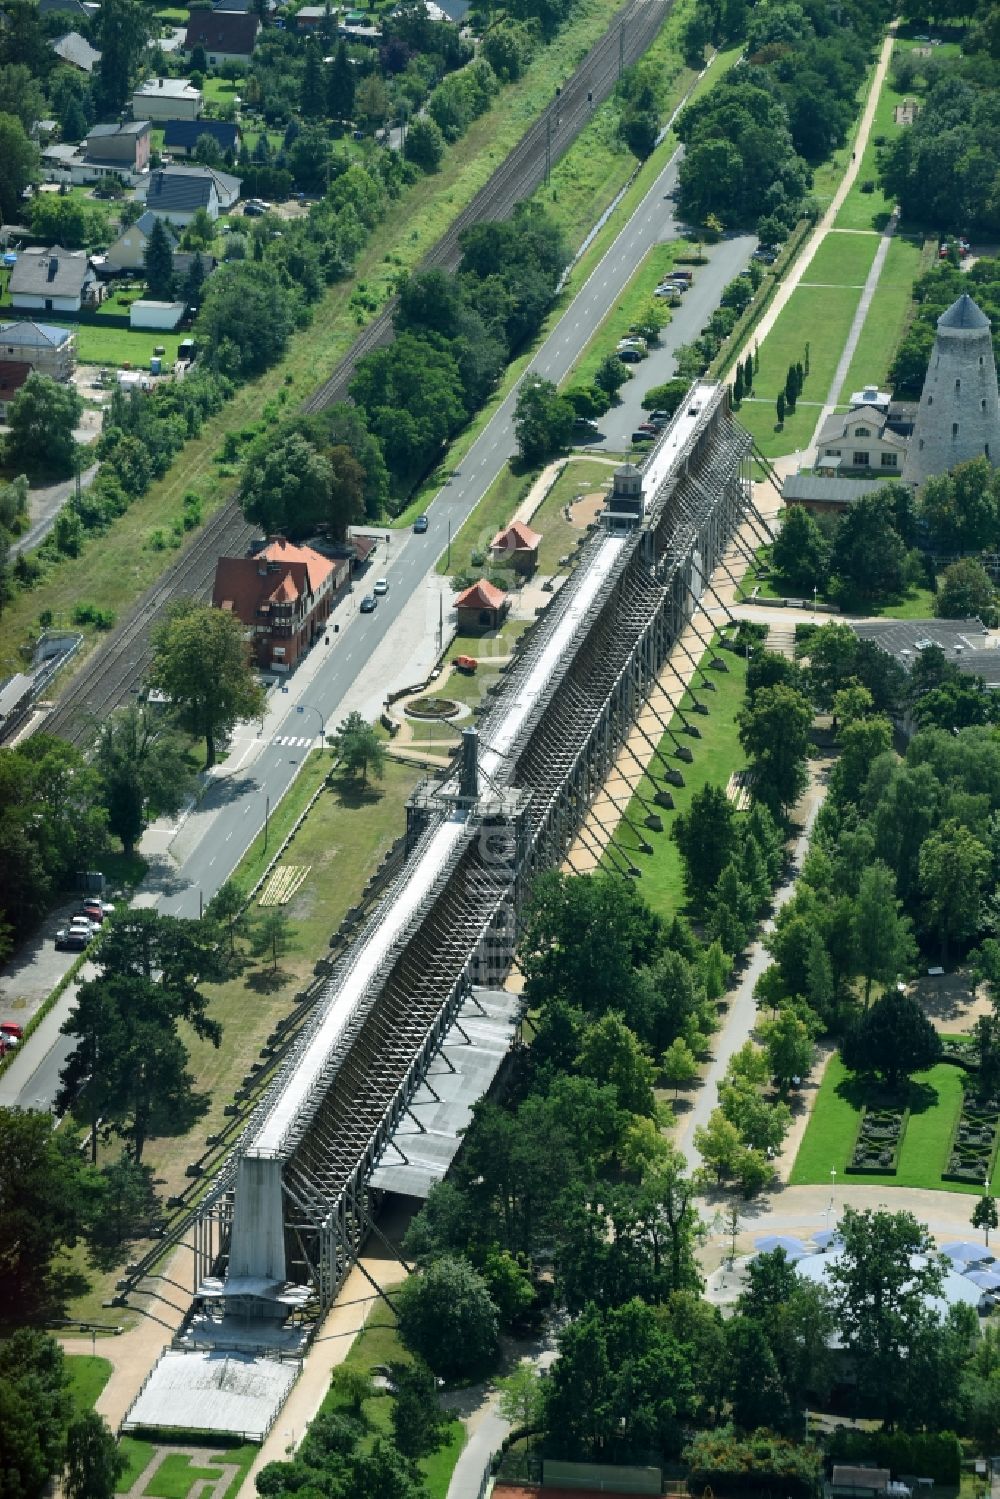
x=283, y=594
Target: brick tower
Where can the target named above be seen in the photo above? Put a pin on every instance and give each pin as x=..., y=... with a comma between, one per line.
x=959, y=413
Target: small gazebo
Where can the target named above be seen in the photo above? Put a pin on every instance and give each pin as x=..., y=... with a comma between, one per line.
x=481, y=607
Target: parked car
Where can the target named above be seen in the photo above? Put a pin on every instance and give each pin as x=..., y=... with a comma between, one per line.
x=640, y=436
x=74, y=937
x=381, y=587
x=369, y=604
x=585, y=424
x=12, y=1029
x=630, y=356
x=420, y=524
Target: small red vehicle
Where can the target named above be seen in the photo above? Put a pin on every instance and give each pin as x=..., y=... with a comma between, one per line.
x=466, y=663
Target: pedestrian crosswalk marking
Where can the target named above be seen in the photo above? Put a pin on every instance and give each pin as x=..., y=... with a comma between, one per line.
x=292, y=741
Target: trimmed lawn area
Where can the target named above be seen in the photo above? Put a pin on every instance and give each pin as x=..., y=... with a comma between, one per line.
x=138, y=1456
x=560, y=536
x=380, y=1343
x=716, y=755
x=87, y=1377
x=631, y=307
x=491, y=514
x=760, y=418
x=842, y=260
x=819, y=315
x=934, y=1098
x=888, y=315
x=177, y=1475
x=918, y=604
x=122, y=346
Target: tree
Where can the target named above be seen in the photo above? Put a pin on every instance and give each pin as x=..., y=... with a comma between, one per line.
x=801, y=553
x=287, y=489
x=271, y=935
x=21, y=94
x=424, y=144
x=126, y=1208
x=779, y=407
x=419, y=1425
x=774, y=731
x=718, y=1144
x=790, y=1048
x=357, y=748
x=447, y=1317
x=543, y=421
x=667, y=397
x=954, y=867
x=228, y=908
x=611, y=374
x=340, y=86
x=893, y=1039
x=159, y=263
x=202, y=662
x=43, y=417
x=46, y=1192
x=522, y=1398
x=19, y=162
x=707, y=838
x=247, y=314
x=122, y=33
x=679, y=1066
x=35, y=1405
x=882, y=935
x=984, y=1215
x=94, y=1461
x=312, y=92
x=612, y=1053
x=880, y=1292
x=965, y=591
x=869, y=555
x=144, y=772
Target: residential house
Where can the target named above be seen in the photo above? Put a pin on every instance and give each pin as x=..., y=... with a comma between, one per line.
x=310, y=17
x=128, y=253
x=481, y=607
x=859, y=441
x=224, y=35
x=517, y=546
x=176, y=193
x=241, y=7
x=55, y=280
x=75, y=50
x=167, y=99
x=283, y=594
x=64, y=7
x=49, y=350
x=12, y=376
x=180, y=137
x=119, y=150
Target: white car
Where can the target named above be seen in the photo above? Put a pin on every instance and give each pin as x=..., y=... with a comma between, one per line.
x=381, y=587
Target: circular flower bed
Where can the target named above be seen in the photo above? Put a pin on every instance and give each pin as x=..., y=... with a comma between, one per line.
x=432, y=707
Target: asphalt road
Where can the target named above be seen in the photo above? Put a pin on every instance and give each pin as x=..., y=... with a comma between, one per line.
x=233, y=811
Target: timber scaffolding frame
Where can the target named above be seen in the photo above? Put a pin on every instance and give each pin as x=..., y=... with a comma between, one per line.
x=542, y=778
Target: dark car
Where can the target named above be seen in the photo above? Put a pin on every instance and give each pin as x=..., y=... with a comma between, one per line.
x=369, y=604
x=640, y=436
x=420, y=524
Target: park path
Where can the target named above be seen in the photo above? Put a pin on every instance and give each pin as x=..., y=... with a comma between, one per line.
x=851, y=342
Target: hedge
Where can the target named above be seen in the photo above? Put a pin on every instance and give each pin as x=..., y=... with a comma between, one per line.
x=931, y=1454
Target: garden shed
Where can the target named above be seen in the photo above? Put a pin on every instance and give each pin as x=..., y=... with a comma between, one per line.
x=149, y=314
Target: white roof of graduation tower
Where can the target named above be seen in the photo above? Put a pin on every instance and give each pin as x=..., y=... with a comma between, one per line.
x=444, y=842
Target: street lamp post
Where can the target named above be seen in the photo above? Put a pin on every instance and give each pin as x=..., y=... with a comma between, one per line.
x=301, y=708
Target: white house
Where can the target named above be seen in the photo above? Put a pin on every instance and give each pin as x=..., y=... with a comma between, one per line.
x=55, y=280
x=859, y=442
x=177, y=193
x=49, y=350
x=167, y=99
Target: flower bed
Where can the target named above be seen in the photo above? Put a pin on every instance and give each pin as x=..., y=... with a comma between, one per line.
x=432, y=707
x=878, y=1142
x=974, y=1143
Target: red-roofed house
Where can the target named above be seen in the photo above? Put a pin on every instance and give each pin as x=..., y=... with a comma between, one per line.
x=226, y=36
x=518, y=544
x=283, y=594
x=13, y=373
x=481, y=607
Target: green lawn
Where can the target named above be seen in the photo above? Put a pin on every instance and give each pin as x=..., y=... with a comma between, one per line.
x=559, y=536
x=491, y=514
x=716, y=755
x=380, y=1343
x=819, y=315
x=918, y=604
x=87, y=1377
x=633, y=304
x=760, y=419
x=934, y=1098
x=177, y=1474
x=842, y=260
x=138, y=1455
x=888, y=315
x=122, y=346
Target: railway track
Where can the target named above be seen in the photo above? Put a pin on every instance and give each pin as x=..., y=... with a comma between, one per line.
x=116, y=669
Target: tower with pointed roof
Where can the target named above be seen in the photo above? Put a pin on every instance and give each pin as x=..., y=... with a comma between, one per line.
x=959, y=413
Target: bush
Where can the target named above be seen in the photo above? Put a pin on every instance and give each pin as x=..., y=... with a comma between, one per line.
x=91, y=614
x=936, y=1454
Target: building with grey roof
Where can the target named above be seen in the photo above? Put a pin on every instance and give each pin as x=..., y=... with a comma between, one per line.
x=75, y=50
x=181, y=137
x=49, y=350
x=826, y=496
x=167, y=99
x=959, y=413
x=859, y=441
x=177, y=193
x=54, y=280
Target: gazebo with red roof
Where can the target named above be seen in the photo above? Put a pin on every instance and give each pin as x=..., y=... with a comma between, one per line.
x=518, y=545
x=481, y=607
